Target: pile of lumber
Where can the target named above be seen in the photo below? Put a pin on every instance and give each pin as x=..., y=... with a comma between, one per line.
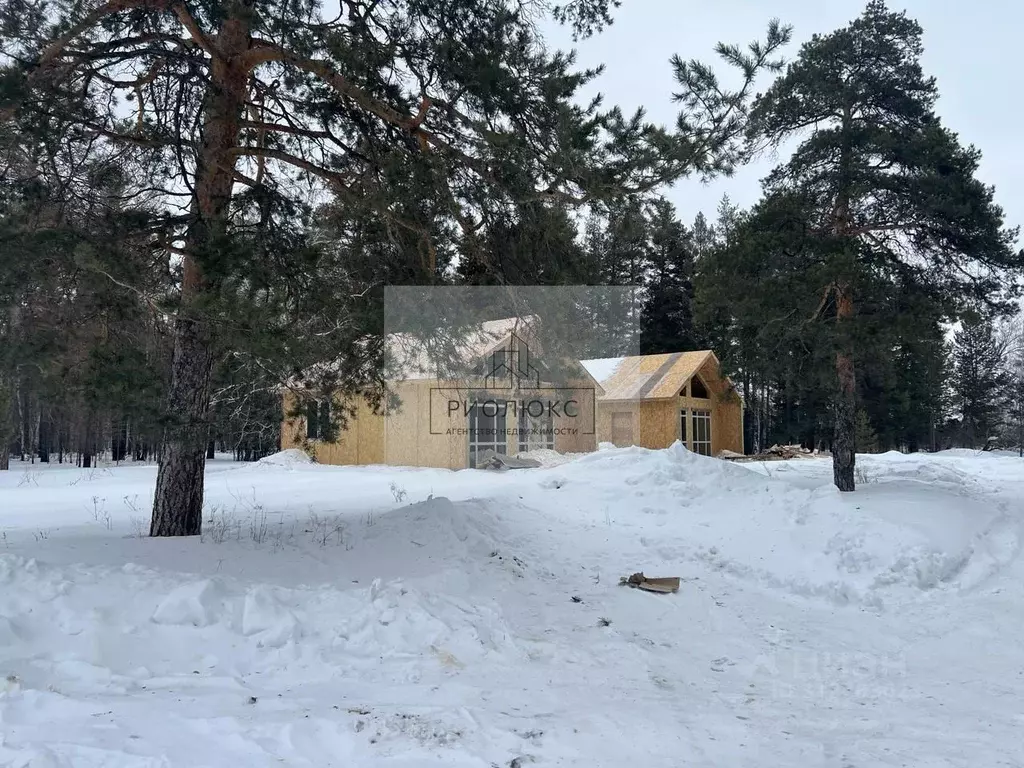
x=775, y=453
x=787, y=452
x=488, y=459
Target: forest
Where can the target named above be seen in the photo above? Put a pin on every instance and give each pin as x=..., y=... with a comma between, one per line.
x=201, y=201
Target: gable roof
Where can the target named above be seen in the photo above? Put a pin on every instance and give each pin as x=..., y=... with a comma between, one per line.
x=647, y=377
x=411, y=359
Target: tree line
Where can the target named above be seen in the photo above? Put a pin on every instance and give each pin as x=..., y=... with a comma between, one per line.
x=203, y=199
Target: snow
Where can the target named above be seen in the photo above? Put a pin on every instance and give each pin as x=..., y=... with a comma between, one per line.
x=288, y=459
x=547, y=457
x=601, y=369
x=381, y=616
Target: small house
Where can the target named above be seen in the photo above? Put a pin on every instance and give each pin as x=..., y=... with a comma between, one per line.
x=505, y=400
x=654, y=400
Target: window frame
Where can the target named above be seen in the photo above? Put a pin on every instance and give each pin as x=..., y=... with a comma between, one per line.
x=701, y=426
x=695, y=379
x=318, y=418
x=497, y=442
x=527, y=427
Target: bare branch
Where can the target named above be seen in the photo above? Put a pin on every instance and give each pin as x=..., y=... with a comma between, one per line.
x=53, y=51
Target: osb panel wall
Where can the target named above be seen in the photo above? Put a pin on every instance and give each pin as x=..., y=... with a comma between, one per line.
x=727, y=427
x=725, y=406
x=371, y=435
x=293, y=430
x=726, y=421
x=604, y=420
x=448, y=446
x=577, y=434
x=361, y=442
x=727, y=413
x=400, y=426
x=659, y=423
x=408, y=436
x=659, y=419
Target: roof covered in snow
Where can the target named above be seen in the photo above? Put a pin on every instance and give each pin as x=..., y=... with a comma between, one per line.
x=646, y=377
x=413, y=359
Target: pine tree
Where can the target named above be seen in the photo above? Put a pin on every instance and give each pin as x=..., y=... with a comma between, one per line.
x=978, y=380
x=82, y=362
x=1014, y=390
x=537, y=244
x=867, y=438
x=878, y=189
x=666, y=318
x=704, y=237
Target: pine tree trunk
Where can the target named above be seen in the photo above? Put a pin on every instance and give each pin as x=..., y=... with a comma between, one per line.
x=211, y=450
x=844, y=455
x=45, y=428
x=119, y=440
x=178, y=502
x=86, y=444
x=6, y=426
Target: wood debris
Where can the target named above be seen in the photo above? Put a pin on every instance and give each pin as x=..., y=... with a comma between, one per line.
x=775, y=453
x=661, y=585
x=489, y=459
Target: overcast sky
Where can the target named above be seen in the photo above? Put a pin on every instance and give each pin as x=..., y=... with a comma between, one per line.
x=972, y=48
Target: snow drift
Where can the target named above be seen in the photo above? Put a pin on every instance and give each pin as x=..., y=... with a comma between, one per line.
x=405, y=617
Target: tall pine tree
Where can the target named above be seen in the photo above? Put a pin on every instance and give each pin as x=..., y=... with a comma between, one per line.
x=666, y=317
x=878, y=190
x=978, y=380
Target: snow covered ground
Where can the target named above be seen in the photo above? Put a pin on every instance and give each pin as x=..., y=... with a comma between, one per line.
x=343, y=616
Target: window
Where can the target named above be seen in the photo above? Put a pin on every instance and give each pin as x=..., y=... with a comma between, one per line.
x=318, y=420
x=701, y=433
x=486, y=428
x=622, y=429
x=535, y=432
x=697, y=389
x=683, y=414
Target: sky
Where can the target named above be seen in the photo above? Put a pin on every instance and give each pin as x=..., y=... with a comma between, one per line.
x=970, y=48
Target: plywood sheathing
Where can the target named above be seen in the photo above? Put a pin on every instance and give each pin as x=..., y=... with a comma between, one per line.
x=649, y=377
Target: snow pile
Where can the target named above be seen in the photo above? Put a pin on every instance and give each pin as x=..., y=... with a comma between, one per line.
x=197, y=604
x=402, y=617
x=919, y=467
x=288, y=459
x=866, y=549
x=546, y=457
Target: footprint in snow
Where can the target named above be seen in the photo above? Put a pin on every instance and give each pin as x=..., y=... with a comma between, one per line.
x=718, y=665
